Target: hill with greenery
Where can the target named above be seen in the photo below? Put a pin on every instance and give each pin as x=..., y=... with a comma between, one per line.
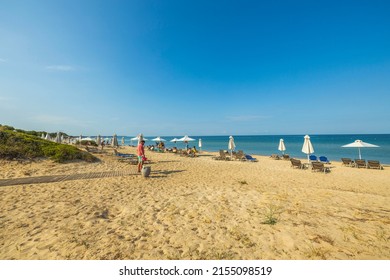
x=20, y=144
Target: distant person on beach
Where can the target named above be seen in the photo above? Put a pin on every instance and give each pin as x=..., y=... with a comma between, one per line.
x=102, y=144
x=141, y=154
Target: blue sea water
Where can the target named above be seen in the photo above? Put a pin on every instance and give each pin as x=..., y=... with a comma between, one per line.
x=324, y=145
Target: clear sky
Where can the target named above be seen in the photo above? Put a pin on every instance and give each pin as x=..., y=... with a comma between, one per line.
x=195, y=67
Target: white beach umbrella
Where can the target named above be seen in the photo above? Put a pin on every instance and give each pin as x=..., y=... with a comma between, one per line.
x=360, y=144
x=123, y=141
x=137, y=138
x=58, y=137
x=174, y=140
x=114, y=141
x=98, y=140
x=307, y=147
x=281, y=147
x=200, y=144
x=43, y=136
x=186, y=139
x=231, y=145
x=159, y=139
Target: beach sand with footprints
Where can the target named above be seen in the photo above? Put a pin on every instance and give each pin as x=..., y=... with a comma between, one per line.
x=193, y=208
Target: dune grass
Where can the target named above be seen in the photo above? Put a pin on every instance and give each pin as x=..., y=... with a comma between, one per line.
x=19, y=144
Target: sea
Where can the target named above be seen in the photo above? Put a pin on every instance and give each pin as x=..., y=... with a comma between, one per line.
x=324, y=145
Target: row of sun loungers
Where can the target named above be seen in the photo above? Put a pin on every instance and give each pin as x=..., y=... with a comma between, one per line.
x=315, y=165
x=240, y=155
x=361, y=163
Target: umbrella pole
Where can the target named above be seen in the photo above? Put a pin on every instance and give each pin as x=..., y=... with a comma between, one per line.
x=360, y=155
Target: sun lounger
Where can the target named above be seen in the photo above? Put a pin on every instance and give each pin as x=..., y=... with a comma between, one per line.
x=360, y=163
x=348, y=162
x=222, y=156
x=286, y=157
x=374, y=164
x=319, y=166
x=296, y=163
x=274, y=156
x=122, y=155
x=313, y=158
x=239, y=155
x=249, y=158
x=324, y=159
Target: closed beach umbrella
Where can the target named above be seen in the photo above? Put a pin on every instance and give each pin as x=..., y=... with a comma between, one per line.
x=138, y=138
x=114, y=141
x=307, y=147
x=360, y=144
x=58, y=137
x=231, y=145
x=141, y=138
x=123, y=141
x=200, y=144
x=98, y=140
x=47, y=137
x=281, y=147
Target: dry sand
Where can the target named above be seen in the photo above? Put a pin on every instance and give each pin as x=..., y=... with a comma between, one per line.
x=195, y=208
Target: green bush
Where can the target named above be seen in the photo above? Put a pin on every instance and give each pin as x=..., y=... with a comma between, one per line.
x=16, y=144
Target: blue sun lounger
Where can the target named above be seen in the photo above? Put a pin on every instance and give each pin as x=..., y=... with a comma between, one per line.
x=250, y=158
x=324, y=159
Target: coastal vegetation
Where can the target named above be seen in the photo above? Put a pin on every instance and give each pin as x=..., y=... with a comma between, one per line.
x=20, y=144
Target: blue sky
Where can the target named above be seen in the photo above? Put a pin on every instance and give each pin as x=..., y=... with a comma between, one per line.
x=195, y=67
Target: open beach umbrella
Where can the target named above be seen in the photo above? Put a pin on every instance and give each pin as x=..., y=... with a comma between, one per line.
x=231, y=145
x=281, y=147
x=307, y=147
x=114, y=141
x=174, y=140
x=186, y=139
x=360, y=144
x=159, y=139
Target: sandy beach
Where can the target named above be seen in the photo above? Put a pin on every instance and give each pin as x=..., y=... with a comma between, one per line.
x=195, y=208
